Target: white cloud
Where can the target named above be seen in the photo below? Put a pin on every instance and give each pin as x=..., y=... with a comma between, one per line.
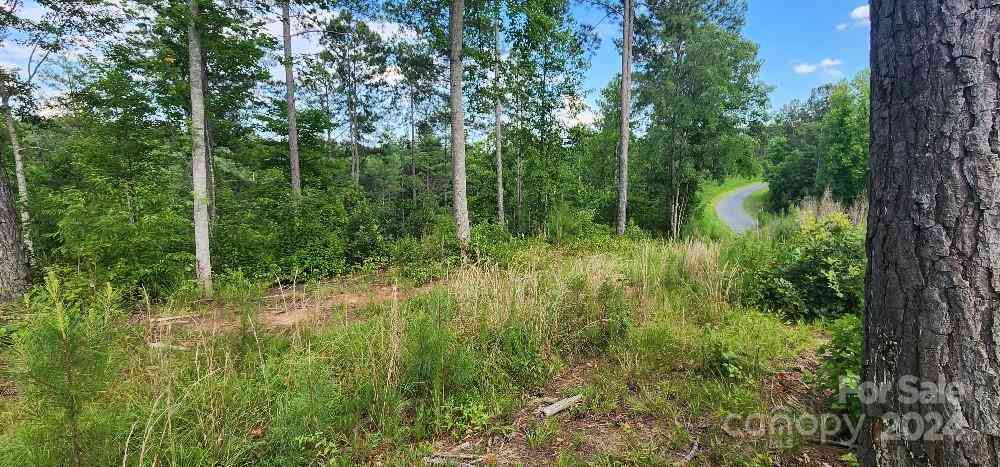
x=392, y=30
x=805, y=68
x=861, y=14
x=575, y=112
x=860, y=18
x=829, y=67
x=830, y=63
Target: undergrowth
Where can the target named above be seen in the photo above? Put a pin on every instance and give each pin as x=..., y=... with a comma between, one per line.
x=672, y=336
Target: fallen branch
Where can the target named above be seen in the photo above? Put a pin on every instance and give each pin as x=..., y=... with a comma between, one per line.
x=561, y=405
x=172, y=318
x=543, y=400
x=456, y=455
x=163, y=346
x=690, y=455
x=439, y=460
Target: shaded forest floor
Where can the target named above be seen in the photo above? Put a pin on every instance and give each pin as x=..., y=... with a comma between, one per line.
x=358, y=371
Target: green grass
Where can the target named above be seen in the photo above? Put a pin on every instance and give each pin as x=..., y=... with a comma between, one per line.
x=756, y=203
x=708, y=224
x=658, y=318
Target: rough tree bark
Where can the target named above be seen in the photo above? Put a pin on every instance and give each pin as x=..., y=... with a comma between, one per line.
x=14, y=265
x=501, y=218
x=293, y=129
x=199, y=172
x=626, y=98
x=459, y=200
x=22, y=181
x=932, y=299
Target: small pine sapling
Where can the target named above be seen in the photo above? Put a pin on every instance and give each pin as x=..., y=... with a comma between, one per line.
x=64, y=361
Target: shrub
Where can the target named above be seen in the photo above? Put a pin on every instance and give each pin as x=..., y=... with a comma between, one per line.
x=818, y=272
x=493, y=242
x=435, y=364
x=841, y=362
x=565, y=223
x=589, y=321
x=518, y=356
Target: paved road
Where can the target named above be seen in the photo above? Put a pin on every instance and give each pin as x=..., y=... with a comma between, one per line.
x=730, y=208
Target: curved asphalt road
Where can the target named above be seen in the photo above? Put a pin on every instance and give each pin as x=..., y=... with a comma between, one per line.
x=730, y=208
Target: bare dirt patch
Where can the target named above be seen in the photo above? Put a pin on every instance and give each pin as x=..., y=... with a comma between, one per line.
x=286, y=308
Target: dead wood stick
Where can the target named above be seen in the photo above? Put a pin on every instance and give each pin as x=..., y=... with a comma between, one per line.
x=561, y=405
x=690, y=455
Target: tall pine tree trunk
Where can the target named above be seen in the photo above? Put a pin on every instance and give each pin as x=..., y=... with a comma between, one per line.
x=501, y=218
x=199, y=171
x=293, y=129
x=22, y=181
x=626, y=97
x=932, y=298
x=460, y=199
x=14, y=265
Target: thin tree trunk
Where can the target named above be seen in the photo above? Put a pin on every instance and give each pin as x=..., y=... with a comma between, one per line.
x=327, y=97
x=199, y=172
x=499, y=135
x=626, y=97
x=413, y=148
x=932, y=297
x=209, y=144
x=519, y=191
x=14, y=264
x=355, y=155
x=22, y=181
x=460, y=199
x=293, y=129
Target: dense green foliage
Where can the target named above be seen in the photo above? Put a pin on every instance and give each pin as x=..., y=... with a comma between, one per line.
x=820, y=145
x=839, y=372
x=108, y=173
x=65, y=356
x=816, y=270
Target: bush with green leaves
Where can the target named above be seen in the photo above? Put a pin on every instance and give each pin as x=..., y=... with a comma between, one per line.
x=841, y=363
x=565, y=223
x=321, y=234
x=817, y=272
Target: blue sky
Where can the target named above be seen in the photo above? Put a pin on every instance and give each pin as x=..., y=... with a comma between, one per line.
x=803, y=44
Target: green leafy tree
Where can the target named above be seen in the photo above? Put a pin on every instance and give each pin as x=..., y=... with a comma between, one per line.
x=698, y=83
